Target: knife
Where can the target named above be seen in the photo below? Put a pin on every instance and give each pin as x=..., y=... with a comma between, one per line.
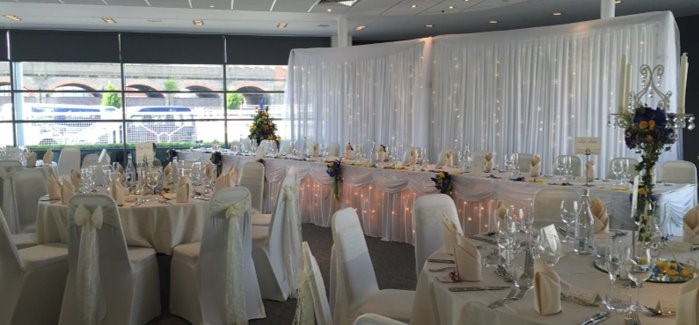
x=596, y=318
x=464, y=289
x=485, y=240
x=440, y=260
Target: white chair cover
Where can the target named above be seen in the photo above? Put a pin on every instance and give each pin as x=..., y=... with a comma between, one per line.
x=277, y=255
x=353, y=286
x=31, y=281
x=252, y=177
x=90, y=159
x=21, y=192
x=375, y=319
x=333, y=149
x=103, y=158
x=312, y=305
x=632, y=167
x=547, y=204
x=428, y=211
x=245, y=145
x=575, y=165
x=10, y=165
x=68, y=160
x=215, y=282
x=107, y=283
x=524, y=162
x=284, y=147
x=678, y=171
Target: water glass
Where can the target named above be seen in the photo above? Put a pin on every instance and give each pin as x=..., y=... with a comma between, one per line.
x=569, y=212
x=638, y=265
x=618, y=169
x=549, y=248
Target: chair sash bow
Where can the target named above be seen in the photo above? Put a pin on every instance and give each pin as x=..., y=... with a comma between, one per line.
x=90, y=297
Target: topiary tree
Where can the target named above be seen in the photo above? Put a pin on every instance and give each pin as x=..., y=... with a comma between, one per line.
x=111, y=97
x=169, y=85
x=234, y=100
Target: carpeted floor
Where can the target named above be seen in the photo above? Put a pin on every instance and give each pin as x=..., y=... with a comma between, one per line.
x=394, y=264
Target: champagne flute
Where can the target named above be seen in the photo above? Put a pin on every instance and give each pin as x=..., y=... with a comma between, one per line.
x=617, y=170
x=638, y=265
x=569, y=211
x=561, y=167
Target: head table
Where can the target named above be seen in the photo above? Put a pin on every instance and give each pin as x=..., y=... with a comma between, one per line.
x=435, y=304
x=384, y=198
x=161, y=225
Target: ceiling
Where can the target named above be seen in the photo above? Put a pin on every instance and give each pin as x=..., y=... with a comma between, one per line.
x=384, y=19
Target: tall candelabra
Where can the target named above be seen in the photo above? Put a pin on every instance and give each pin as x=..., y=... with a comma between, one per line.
x=650, y=81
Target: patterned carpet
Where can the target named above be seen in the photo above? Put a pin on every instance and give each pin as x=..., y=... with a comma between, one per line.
x=394, y=264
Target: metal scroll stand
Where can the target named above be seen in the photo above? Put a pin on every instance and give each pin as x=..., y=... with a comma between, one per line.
x=588, y=152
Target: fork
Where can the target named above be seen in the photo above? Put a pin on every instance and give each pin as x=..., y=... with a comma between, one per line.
x=501, y=301
x=632, y=319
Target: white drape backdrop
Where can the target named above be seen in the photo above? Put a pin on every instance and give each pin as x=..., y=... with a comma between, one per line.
x=530, y=90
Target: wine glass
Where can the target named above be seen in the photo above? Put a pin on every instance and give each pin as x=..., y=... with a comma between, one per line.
x=569, y=211
x=638, y=265
x=568, y=161
x=561, y=167
x=624, y=170
x=618, y=169
x=549, y=248
x=153, y=179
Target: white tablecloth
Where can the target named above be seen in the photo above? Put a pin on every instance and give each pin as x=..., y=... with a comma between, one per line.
x=435, y=304
x=152, y=224
x=384, y=197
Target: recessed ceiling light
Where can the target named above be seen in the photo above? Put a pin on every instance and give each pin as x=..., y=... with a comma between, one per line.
x=212, y=6
x=556, y=13
x=451, y=7
x=413, y=6
x=323, y=25
x=360, y=27
x=493, y=21
x=616, y=2
x=109, y=20
x=429, y=25
x=12, y=17
x=198, y=22
x=330, y=10
x=282, y=25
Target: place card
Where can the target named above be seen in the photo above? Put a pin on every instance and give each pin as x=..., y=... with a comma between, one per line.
x=587, y=145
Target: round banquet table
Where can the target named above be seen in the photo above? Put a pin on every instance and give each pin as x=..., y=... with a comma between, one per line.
x=161, y=226
x=435, y=304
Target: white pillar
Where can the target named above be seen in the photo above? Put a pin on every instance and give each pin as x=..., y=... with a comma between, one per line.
x=606, y=9
x=342, y=34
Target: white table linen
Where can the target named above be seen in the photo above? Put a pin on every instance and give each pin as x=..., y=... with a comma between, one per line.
x=435, y=304
x=153, y=224
x=384, y=197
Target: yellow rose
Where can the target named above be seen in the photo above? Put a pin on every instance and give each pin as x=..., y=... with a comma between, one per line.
x=686, y=273
x=643, y=125
x=651, y=124
x=672, y=273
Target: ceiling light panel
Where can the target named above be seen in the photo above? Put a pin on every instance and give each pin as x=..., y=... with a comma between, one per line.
x=169, y=3
x=254, y=5
x=81, y=2
x=108, y=20
x=198, y=22
x=12, y=17
x=206, y=4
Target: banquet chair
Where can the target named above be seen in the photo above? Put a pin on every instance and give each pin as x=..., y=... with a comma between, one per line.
x=89, y=160
x=547, y=205
x=523, y=162
x=24, y=189
x=333, y=149
x=375, y=319
x=575, y=165
x=678, y=171
x=428, y=211
x=218, y=273
x=312, y=305
x=245, y=145
x=108, y=282
x=32, y=281
x=10, y=165
x=353, y=287
x=284, y=147
x=478, y=160
x=632, y=167
x=276, y=249
x=252, y=177
x=68, y=160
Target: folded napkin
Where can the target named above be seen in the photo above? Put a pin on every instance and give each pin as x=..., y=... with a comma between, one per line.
x=688, y=303
x=501, y=211
x=468, y=259
x=316, y=150
x=381, y=153
x=222, y=182
x=535, y=167
x=590, y=171
x=349, y=151
x=233, y=177
x=102, y=159
x=547, y=289
x=120, y=169
x=448, y=235
x=67, y=191
x=578, y=295
x=599, y=215
x=48, y=157
x=75, y=178
x=183, y=190
x=488, y=165
x=691, y=226
x=209, y=172
x=449, y=158
x=54, y=188
x=31, y=159
x=119, y=192
x=167, y=171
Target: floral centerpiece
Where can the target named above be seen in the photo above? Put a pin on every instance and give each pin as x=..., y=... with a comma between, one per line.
x=171, y=154
x=335, y=171
x=442, y=181
x=263, y=127
x=649, y=132
x=217, y=159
